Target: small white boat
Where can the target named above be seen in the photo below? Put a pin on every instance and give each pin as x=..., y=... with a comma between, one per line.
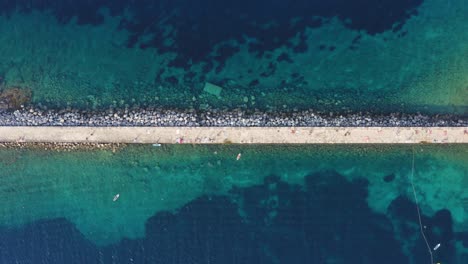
x=238, y=156
x=116, y=197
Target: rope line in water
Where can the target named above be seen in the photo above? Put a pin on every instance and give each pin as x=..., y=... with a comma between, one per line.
x=417, y=209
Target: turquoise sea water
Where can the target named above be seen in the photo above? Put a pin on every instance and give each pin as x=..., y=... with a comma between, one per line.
x=385, y=56
x=194, y=204
x=198, y=204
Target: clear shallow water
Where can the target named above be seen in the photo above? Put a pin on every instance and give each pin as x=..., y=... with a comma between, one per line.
x=192, y=204
x=278, y=204
x=385, y=56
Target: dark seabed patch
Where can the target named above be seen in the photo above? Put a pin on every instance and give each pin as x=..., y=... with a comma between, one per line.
x=192, y=29
x=325, y=221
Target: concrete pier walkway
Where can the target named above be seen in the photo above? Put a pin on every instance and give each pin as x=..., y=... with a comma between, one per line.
x=236, y=135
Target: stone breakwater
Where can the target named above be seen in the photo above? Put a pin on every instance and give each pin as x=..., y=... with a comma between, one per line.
x=191, y=118
x=62, y=146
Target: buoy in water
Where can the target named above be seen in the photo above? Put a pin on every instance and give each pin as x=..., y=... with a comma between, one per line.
x=116, y=197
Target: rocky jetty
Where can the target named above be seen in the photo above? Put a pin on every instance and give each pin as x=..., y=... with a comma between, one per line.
x=216, y=118
x=62, y=147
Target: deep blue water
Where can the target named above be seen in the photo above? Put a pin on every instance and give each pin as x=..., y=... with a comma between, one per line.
x=327, y=221
x=201, y=24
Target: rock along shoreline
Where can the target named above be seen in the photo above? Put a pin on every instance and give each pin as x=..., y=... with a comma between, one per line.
x=218, y=118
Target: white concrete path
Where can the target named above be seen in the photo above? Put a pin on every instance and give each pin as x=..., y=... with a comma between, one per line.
x=241, y=135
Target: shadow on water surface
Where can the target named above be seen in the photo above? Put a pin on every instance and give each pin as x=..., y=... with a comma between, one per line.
x=325, y=221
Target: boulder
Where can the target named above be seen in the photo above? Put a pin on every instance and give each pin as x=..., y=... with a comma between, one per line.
x=14, y=97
